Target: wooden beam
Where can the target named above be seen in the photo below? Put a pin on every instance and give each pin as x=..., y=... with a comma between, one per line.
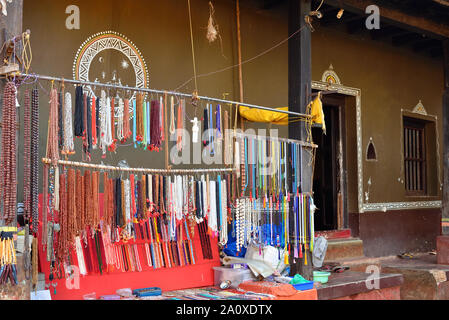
x=406, y=39
x=270, y=4
x=436, y=52
x=349, y=17
x=446, y=63
x=11, y=26
x=386, y=32
x=299, y=62
x=355, y=25
x=426, y=45
x=299, y=94
x=445, y=210
x=329, y=17
x=413, y=23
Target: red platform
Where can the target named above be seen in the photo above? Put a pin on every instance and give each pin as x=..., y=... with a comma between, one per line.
x=199, y=275
x=334, y=234
x=443, y=250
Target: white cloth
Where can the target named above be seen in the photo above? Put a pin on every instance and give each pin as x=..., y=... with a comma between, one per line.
x=80, y=256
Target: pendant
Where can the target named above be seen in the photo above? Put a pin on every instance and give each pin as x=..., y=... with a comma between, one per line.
x=54, y=287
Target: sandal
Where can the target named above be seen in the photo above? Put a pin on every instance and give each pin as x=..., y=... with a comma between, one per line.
x=340, y=269
x=406, y=256
x=328, y=267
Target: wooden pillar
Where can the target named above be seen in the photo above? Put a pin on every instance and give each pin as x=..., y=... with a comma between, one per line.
x=445, y=213
x=11, y=26
x=299, y=93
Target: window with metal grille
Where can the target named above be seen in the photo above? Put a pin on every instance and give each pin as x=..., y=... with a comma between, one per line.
x=415, y=156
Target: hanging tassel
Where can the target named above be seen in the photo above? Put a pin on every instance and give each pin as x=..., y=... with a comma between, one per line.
x=206, y=126
x=68, y=145
x=126, y=129
x=180, y=125
x=94, y=122
x=212, y=32
x=155, y=133
x=60, y=119
x=79, y=112
x=134, y=123
x=172, y=116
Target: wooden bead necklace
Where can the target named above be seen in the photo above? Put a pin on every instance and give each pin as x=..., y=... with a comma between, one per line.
x=8, y=155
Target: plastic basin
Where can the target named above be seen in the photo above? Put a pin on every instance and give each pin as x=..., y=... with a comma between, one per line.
x=320, y=276
x=303, y=286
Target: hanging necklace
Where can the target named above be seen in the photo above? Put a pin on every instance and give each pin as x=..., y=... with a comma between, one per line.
x=34, y=160
x=79, y=111
x=156, y=130
x=145, y=126
x=89, y=128
x=211, y=130
x=68, y=147
x=84, y=136
x=27, y=157
x=93, y=122
x=180, y=125
x=126, y=128
x=120, y=120
x=134, y=123
x=206, y=126
x=148, y=127
x=163, y=105
x=53, y=150
x=172, y=115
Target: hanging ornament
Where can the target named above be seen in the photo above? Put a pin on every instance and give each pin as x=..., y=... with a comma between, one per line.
x=212, y=28
x=195, y=130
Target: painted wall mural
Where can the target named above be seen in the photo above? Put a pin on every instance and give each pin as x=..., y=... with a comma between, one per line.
x=110, y=57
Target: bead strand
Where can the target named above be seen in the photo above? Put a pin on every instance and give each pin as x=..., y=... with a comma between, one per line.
x=34, y=176
x=27, y=156
x=8, y=156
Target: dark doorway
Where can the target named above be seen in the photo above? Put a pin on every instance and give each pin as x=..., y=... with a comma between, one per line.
x=325, y=180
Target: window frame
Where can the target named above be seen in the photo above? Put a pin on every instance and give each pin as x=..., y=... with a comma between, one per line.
x=415, y=156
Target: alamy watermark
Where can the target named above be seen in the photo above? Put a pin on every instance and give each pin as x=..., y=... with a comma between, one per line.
x=372, y=282
x=373, y=20
x=211, y=150
x=73, y=20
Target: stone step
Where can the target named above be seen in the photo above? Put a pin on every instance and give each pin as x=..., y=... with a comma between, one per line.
x=339, y=249
x=351, y=285
x=423, y=277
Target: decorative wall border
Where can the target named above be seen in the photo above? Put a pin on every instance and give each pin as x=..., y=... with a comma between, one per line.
x=357, y=93
x=109, y=40
x=388, y=206
x=362, y=206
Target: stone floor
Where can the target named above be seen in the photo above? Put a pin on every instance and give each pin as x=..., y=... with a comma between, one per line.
x=420, y=278
x=424, y=279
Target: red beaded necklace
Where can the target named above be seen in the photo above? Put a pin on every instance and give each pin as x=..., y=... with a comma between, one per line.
x=8, y=156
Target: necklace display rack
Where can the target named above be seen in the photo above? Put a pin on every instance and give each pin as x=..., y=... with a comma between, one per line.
x=136, y=225
x=271, y=209
x=260, y=211
x=147, y=90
